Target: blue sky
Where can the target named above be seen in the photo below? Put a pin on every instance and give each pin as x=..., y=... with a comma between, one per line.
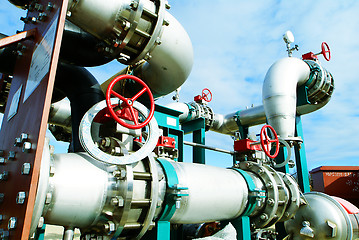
x=236, y=41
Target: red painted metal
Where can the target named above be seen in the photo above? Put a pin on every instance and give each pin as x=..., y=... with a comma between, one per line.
x=206, y=95
x=349, y=207
x=127, y=103
x=309, y=56
x=29, y=117
x=246, y=145
x=340, y=181
x=18, y=37
x=325, y=50
x=164, y=141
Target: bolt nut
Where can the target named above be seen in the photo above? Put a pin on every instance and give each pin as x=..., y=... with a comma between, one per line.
x=264, y=217
x=2, y=196
x=2, y=160
x=17, y=142
x=12, y=223
x=24, y=137
x=110, y=226
x=166, y=22
x=4, y=235
x=117, y=201
x=25, y=169
x=26, y=147
x=11, y=155
x=50, y=6
x=271, y=202
x=20, y=198
x=41, y=222
x=119, y=174
x=4, y=176
x=134, y=5
x=48, y=198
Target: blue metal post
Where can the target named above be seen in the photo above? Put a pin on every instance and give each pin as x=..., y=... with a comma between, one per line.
x=197, y=127
x=163, y=230
x=243, y=227
x=301, y=160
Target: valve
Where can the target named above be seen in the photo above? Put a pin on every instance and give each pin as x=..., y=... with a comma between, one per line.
x=127, y=103
x=206, y=96
x=89, y=137
x=325, y=52
x=266, y=141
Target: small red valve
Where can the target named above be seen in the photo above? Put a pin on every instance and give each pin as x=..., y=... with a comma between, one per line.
x=266, y=141
x=206, y=96
x=325, y=52
x=127, y=111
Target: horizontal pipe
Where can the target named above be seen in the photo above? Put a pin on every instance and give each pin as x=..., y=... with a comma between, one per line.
x=214, y=193
x=208, y=147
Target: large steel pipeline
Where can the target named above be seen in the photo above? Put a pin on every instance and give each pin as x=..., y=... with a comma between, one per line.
x=76, y=190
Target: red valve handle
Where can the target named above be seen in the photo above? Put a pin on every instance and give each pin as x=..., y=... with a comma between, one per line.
x=266, y=141
x=325, y=50
x=127, y=103
x=206, y=95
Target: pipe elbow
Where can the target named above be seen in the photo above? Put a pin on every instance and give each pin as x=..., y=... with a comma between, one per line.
x=280, y=96
x=171, y=62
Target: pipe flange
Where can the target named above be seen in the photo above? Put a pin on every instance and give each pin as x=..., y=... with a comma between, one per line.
x=271, y=205
x=283, y=195
x=154, y=196
x=294, y=201
x=156, y=34
x=320, y=83
x=90, y=146
x=126, y=188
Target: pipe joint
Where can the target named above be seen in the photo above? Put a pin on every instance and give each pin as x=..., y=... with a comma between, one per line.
x=320, y=85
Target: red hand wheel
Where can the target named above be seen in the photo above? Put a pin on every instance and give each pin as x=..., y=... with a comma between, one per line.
x=206, y=95
x=266, y=141
x=325, y=50
x=127, y=103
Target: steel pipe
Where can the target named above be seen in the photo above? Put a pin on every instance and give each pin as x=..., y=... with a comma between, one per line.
x=280, y=93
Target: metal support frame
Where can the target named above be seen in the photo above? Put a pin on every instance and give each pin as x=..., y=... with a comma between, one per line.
x=26, y=113
x=301, y=159
x=198, y=128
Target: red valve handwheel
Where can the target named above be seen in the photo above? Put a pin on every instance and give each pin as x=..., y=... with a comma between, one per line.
x=266, y=141
x=127, y=103
x=206, y=95
x=325, y=50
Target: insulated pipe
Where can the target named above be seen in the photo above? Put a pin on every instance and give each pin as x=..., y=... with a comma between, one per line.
x=280, y=93
x=213, y=193
x=77, y=192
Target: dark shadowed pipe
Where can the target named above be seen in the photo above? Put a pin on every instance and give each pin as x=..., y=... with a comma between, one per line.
x=81, y=48
x=83, y=91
